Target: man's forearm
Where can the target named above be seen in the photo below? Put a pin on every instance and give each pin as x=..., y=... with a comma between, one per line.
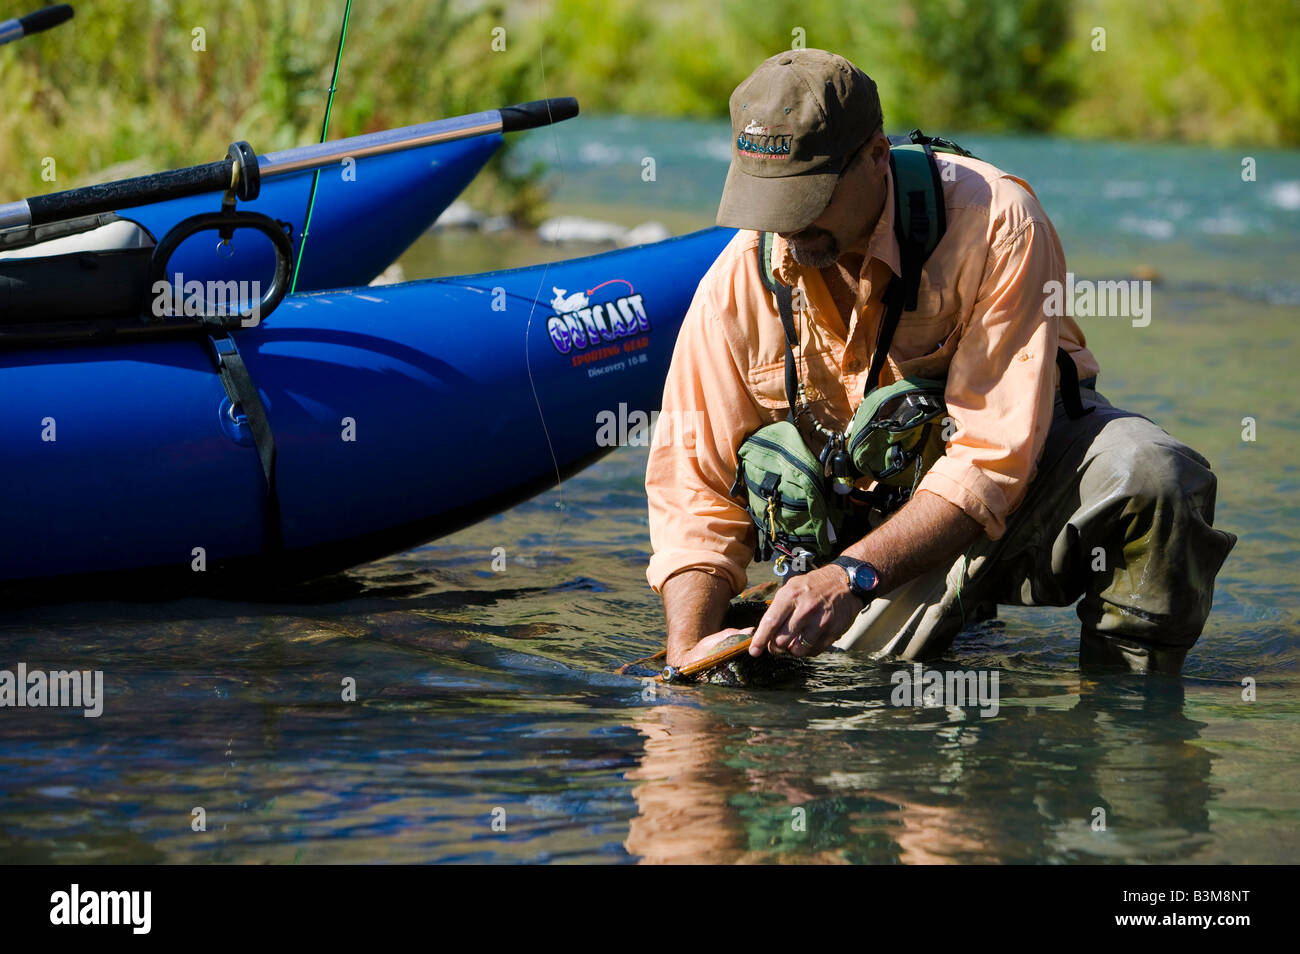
x=924, y=533
x=695, y=602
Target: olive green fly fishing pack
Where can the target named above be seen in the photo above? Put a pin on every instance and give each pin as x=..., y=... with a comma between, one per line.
x=804, y=504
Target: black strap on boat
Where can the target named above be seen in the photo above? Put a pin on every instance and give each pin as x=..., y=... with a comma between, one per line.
x=243, y=395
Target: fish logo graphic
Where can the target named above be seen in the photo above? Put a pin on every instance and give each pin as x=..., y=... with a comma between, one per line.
x=571, y=303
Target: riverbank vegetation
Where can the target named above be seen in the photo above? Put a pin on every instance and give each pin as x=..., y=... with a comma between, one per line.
x=163, y=84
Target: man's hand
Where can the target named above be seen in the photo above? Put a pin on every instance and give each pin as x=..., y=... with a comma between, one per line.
x=808, y=614
x=695, y=603
x=819, y=606
x=812, y=611
x=709, y=645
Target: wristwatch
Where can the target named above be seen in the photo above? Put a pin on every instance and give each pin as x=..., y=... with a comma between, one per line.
x=863, y=578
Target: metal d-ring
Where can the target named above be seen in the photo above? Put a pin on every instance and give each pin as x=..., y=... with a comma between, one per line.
x=229, y=222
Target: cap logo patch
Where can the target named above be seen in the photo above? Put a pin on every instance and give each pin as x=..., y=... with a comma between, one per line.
x=760, y=141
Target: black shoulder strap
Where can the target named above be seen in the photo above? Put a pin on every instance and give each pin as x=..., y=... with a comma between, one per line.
x=1070, y=395
x=920, y=217
x=894, y=300
x=785, y=307
x=919, y=233
x=916, y=175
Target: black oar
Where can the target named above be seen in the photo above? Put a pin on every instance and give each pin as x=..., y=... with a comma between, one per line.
x=19, y=27
x=243, y=171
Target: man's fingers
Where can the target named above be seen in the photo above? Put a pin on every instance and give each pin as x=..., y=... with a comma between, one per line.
x=811, y=647
x=787, y=627
x=802, y=619
x=771, y=624
x=811, y=630
x=799, y=623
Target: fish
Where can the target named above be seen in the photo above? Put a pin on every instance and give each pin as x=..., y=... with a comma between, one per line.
x=743, y=671
x=730, y=664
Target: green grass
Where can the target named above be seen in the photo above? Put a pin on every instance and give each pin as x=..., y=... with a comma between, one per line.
x=125, y=81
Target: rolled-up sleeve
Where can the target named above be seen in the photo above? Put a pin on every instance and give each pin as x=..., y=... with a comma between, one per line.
x=1002, y=381
x=707, y=410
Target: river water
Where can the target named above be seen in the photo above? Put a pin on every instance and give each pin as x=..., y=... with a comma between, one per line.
x=488, y=724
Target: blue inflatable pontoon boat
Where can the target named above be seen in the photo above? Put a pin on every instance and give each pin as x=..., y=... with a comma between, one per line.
x=126, y=458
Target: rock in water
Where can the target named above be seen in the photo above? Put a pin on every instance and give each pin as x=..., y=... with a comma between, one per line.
x=573, y=228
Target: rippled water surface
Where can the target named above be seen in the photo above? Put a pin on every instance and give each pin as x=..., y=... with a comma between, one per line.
x=489, y=725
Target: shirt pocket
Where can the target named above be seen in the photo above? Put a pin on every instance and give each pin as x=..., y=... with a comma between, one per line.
x=926, y=329
x=932, y=363
x=767, y=381
x=935, y=300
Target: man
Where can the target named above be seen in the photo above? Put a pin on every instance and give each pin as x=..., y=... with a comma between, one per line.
x=1028, y=505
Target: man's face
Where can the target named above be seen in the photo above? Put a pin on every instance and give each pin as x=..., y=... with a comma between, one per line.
x=814, y=247
x=852, y=212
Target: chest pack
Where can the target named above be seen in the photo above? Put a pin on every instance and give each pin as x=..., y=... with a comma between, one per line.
x=803, y=504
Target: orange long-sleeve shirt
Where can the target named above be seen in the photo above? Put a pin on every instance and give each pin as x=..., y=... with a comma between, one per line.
x=980, y=321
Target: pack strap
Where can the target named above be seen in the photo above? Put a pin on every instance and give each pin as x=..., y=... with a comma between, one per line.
x=918, y=138
x=242, y=393
x=917, y=236
x=1070, y=395
x=920, y=218
x=894, y=301
x=785, y=307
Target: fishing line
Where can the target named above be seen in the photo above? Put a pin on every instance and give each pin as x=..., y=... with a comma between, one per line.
x=324, y=131
x=528, y=363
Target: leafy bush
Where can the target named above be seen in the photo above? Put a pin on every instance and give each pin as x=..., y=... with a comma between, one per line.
x=124, y=82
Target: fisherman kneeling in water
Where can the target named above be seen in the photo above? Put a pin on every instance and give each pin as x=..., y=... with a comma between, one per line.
x=858, y=356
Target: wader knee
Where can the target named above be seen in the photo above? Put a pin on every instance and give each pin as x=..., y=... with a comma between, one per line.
x=1150, y=606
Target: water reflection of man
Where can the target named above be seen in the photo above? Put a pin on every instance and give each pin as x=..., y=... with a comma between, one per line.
x=1117, y=775
x=1028, y=506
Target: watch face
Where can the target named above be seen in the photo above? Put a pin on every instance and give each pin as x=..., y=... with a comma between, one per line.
x=864, y=578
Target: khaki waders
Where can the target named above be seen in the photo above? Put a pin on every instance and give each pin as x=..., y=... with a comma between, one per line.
x=1119, y=513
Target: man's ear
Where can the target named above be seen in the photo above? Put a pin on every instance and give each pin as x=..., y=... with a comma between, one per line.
x=877, y=150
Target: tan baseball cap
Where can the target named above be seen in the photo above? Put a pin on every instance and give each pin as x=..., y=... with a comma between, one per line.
x=795, y=122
